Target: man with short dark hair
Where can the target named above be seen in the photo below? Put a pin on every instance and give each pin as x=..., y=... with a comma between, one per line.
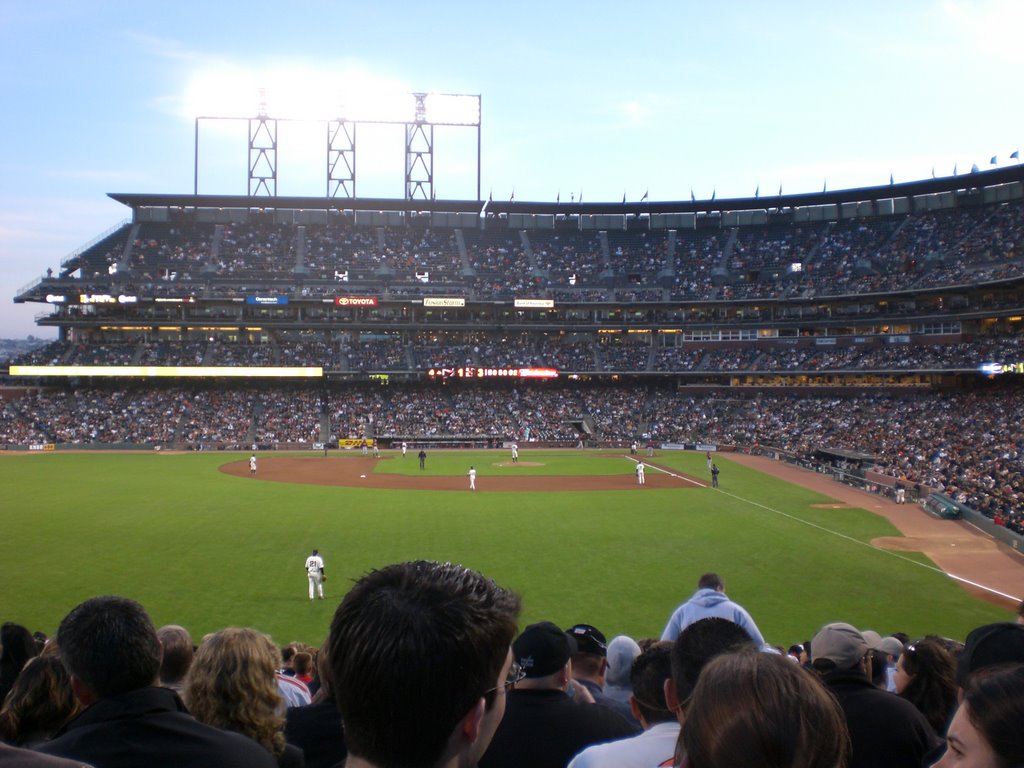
x=543, y=727
x=697, y=645
x=656, y=745
x=420, y=664
x=709, y=601
x=886, y=731
x=111, y=651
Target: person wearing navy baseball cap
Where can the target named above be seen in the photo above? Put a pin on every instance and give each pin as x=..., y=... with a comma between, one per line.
x=544, y=727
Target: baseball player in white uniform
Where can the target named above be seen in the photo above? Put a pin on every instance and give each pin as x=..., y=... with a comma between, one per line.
x=640, y=473
x=515, y=453
x=472, y=478
x=315, y=572
x=252, y=464
x=405, y=448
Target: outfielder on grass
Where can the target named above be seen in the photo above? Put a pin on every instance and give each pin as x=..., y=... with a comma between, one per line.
x=315, y=572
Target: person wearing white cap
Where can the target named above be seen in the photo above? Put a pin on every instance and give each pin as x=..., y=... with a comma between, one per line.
x=885, y=730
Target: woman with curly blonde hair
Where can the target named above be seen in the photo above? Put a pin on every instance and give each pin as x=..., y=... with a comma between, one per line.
x=231, y=685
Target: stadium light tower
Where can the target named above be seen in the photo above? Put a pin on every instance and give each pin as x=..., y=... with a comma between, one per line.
x=262, y=152
x=418, y=112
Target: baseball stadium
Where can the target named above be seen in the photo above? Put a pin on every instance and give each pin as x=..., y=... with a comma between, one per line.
x=832, y=354
x=330, y=450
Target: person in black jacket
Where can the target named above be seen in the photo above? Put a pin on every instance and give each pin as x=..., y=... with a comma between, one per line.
x=543, y=726
x=110, y=648
x=886, y=731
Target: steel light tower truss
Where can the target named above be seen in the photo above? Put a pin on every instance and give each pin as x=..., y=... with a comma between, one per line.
x=263, y=156
x=341, y=158
x=419, y=154
x=420, y=113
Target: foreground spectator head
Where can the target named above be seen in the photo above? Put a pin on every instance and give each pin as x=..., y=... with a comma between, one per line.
x=925, y=676
x=17, y=646
x=109, y=646
x=591, y=657
x=433, y=638
x=650, y=670
x=40, y=702
x=988, y=645
x=302, y=664
x=885, y=730
x=696, y=645
x=711, y=580
x=840, y=646
x=622, y=652
x=232, y=685
x=759, y=710
x=543, y=651
x=177, y=647
x=986, y=730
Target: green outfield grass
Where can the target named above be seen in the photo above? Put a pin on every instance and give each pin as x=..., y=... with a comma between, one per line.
x=207, y=550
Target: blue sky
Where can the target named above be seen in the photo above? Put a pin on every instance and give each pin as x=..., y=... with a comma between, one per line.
x=598, y=97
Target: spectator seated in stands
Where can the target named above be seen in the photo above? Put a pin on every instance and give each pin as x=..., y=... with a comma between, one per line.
x=39, y=704
x=231, y=685
x=110, y=648
x=176, y=644
x=543, y=727
x=385, y=627
x=758, y=710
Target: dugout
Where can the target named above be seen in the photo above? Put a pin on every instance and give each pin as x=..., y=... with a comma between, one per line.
x=843, y=460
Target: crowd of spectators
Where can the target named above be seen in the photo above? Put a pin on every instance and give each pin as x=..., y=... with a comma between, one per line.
x=577, y=352
x=112, y=689
x=878, y=254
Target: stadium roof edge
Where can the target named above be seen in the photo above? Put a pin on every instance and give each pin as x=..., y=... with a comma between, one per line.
x=961, y=183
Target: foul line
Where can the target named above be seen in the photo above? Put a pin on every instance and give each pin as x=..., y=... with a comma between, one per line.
x=664, y=471
x=822, y=528
x=872, y=547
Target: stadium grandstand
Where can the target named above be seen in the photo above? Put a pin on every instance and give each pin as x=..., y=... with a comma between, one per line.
x=874, y=332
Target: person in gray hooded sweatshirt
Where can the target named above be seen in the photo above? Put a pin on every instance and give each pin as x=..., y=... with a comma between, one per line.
x=709, y=601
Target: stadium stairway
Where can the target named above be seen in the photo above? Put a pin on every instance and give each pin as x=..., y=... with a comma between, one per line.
x=460, y=244
x=250, y=434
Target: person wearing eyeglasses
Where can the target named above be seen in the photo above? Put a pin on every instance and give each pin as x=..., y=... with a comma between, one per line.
x=544, y=727
x=885, y=730
x=420, y=664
